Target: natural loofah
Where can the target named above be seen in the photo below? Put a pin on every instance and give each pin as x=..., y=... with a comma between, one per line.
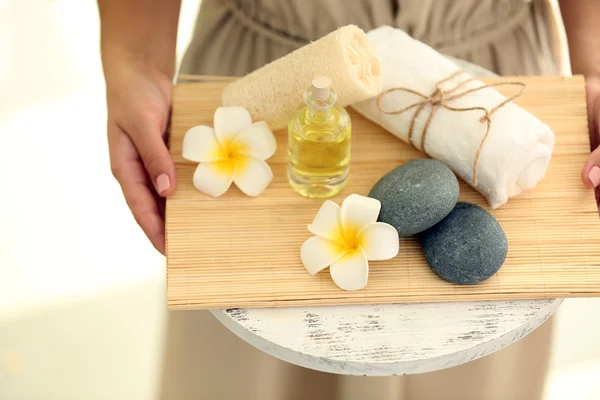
x=273, y=92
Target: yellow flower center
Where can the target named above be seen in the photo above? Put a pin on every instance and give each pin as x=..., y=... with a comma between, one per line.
x=230, y=155
x=348, y=237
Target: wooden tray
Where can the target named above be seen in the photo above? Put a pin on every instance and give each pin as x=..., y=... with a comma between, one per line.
x=237, y=251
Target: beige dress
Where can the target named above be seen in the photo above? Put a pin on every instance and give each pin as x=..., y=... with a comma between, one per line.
x=233, y=37
x=509, y=37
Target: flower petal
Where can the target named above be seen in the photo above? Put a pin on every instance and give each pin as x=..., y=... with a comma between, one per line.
x=214, y=178
x=327, y=223
x=317, y=253
x=351, y=271
x=230, y=121
x=257, y=141
x=380, y=241
x=358, y=211
x=200, y=145
x=252, y=175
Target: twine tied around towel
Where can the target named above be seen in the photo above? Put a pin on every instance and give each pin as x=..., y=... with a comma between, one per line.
x=440, y=98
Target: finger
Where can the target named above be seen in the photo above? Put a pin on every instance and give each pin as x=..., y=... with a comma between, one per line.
x=149, y=141
x=131, y=175
x=590, y=174
x=140, y=200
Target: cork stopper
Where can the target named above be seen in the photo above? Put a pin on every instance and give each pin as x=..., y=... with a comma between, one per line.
x=321, y=86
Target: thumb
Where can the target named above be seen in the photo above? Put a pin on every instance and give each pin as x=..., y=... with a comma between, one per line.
x=590, y=174
x=591, y=171
x=157, y=160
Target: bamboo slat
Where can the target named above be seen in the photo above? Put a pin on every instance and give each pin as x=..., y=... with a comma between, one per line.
x=237, y=251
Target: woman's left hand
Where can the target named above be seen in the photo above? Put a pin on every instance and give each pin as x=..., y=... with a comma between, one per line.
x=590, y=174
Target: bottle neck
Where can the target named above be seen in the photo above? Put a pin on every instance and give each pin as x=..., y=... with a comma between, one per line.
x=319, y=109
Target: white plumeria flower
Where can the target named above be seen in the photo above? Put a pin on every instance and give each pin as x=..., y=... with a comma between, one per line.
x=234, y=151
x=347, y=238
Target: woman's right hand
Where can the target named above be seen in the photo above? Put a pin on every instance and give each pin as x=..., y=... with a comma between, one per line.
x=139, y=103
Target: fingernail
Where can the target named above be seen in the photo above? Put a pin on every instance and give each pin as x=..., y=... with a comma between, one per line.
x=162, y=183
x=594, y=176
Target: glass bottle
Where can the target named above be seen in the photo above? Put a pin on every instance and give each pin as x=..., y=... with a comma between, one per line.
x=319, y=136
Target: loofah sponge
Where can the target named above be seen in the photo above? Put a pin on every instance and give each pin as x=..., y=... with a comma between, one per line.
x=273, y=92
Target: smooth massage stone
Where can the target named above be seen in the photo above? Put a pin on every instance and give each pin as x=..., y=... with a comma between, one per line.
x=467, y=247
x=416, y=195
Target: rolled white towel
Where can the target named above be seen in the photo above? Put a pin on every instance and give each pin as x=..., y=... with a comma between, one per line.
x=517, y=149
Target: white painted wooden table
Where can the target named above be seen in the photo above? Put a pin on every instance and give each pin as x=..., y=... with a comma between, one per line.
x=388, y=340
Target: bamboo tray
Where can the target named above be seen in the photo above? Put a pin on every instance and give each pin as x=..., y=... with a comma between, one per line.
x=237, y=251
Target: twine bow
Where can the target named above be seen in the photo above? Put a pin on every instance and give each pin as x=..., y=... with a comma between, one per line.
x=440, y=98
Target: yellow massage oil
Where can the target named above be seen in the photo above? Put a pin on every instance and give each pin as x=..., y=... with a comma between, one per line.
x=319, y=136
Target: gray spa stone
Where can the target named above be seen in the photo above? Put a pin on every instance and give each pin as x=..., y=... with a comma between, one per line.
x=416, y=195
x=466, y=247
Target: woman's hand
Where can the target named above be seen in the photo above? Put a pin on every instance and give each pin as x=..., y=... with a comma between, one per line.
x=137, y=41
x=590, y=174
x=580, y=18
x=139, y=102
